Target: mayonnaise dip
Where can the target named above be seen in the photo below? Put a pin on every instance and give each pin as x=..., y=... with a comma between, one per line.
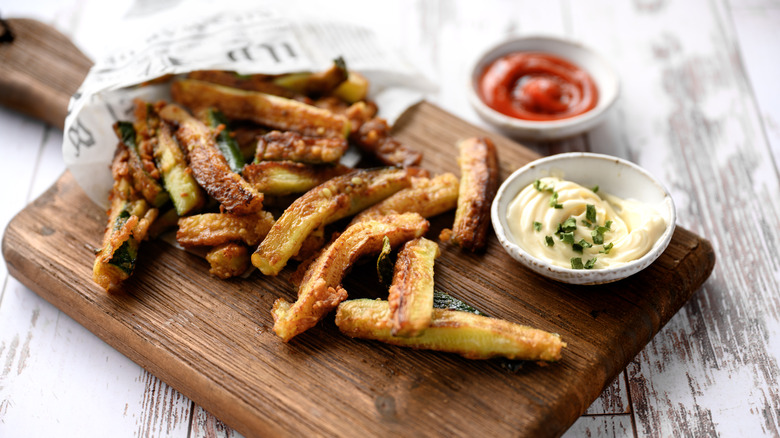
x=551, y=220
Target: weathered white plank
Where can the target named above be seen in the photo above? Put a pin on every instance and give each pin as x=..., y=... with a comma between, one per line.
x=205, y=425
x=57, y=378
x=49, y=163
x=758, y=32
x=597, y=426
x=19, y=145
x=689, y=117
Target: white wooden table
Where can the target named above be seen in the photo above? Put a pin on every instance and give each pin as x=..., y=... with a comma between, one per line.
x=699, y=109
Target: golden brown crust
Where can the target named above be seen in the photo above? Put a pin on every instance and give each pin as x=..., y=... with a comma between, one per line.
x=478, y=185
x=411, y=294
x=288, y=145
x=320, y=291
x=332, y=200
x=427, y=196
x=228, y=260
x=209, y=166
x=212, y=229
x=265, y=109
x=146, y=124
x=469, y=335
x=279, y=178
x=374, y=137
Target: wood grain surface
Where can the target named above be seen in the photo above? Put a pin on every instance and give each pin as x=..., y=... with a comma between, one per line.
x=211, y=339
x=40, y=69
x=698, y=108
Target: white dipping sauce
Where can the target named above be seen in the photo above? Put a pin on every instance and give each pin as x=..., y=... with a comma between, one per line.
x=633, y=231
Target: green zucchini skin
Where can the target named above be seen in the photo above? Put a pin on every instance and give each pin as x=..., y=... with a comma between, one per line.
x=126, y=255
x=184, y=191
x=225, y=141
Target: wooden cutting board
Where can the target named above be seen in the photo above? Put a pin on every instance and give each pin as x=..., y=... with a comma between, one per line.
x=212, y=339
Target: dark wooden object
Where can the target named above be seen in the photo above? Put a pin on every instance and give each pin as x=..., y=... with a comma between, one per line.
x=40, y=69
x=211, y=339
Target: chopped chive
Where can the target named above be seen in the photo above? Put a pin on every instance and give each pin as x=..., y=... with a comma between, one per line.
x=598, y=238
x=576, y=263
x=590, y=263
x=554, y=200
x=569, y=225
x=595, y=189
x=558, y=206
x=586, y=223
x=584, y=243
x=537, y=226
x=538, y=185
x=607, y=248
x=568, y=238
x=576, y=247
x=608, y=225
x=590, y=212
x=549, y=240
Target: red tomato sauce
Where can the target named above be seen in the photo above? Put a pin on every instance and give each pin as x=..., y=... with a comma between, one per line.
x=537, y=86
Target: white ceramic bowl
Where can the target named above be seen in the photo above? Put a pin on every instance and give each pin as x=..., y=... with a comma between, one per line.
x=613, y=175
x=602, y=73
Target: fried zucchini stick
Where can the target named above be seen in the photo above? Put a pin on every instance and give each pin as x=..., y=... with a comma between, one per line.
x=209, y=166
x=279, y=178
x=228, y=260
x=317, y=83
x=478, y=185
x=185, y=193
x=469, y=335
x=292, y=146
x=427, y=196
x=258, y=82
x=321, y=291
x=129, y=218
x=374, y=137
x=144, y=175
x=265, y=109
x=411, y=293
x=212, y=229
x=332, y=200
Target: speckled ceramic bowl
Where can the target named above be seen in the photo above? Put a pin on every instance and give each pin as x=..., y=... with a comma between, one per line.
x=599, y=69
x=613, y=175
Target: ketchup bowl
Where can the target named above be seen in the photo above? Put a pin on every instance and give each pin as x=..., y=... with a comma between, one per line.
x=613, y=179
x=507, y=107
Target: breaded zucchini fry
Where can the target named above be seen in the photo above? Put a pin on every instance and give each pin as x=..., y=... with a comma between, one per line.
x=212, y=229
x=292, y=146
x=209, y=166
x=185, y=193
x=374, y=137
x=478, y=185
x=279, y=178
x=146, y=124
x=469, y=335
x=265, y=109
x=257, y=82
x=228, y=260
x=315, y=84
x=332, y=200
x=321, y=291
x=411, y=293
x=129, y=219
x=427, y=196
x=354, y=89
x=143, y=181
